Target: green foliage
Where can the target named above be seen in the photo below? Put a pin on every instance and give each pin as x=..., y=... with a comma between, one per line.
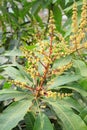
x=66, y=115
x=42, y=123
x=29, y=120
x=14, y=114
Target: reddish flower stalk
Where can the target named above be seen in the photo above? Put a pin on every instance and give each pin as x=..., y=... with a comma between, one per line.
x=47, y=66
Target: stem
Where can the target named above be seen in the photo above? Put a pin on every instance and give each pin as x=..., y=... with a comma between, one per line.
x=47, y=66
x=29, y=88
x=44, y=76
x=42, y=64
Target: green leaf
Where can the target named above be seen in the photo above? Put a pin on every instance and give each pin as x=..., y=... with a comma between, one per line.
x=83, y=83
x=75, y=88
x=42, y=123
x=36, y=5
x=18, y=74
x=31, y=47
x=27, y=78
x=6, y=85
x=14, y=73
x=1, y=77
x=70, y=7
x=80, y=67
x=66, y=2
x=73, y=103
x=6, y=94
x=54, y=1
x=85, y=119
x=15, y=52
x=83, y=113
x=29, y=121
x=62, y=61
x=13, y=114
x=3, y=60
x=70, y=121
x=65, y=79
x=57, y=16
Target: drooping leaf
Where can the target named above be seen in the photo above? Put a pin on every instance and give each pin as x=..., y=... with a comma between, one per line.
x=6, y=94
x=70, y=121
x=29, y=121
x=42, y=123
x=13, y=114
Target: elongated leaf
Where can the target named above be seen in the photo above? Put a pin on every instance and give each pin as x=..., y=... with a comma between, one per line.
x=70, y=120
x=6, y=94
x=13, y=114
x=57, y=16
x=54, y=1
x=75, y=88
x=70, y=7
x=85, y=119
x=73, y=103
x=83, y=113
x=42, y=123
x=67, y=1
x=36, y=5
x=29, y=121
x=65, y=79
x=14, y=73
x=14, y=52
x=3, y=60
x=18, y=74
x=62, y=61
x=81, y=67
x=28, y=79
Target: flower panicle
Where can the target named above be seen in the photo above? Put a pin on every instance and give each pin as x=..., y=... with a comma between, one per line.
x=56, y=95
x=79, y=30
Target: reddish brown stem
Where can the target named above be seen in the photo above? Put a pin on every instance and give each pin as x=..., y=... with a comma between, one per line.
x=42, y=64
x=47, y=66
x=44, y=76
x=29, y=88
